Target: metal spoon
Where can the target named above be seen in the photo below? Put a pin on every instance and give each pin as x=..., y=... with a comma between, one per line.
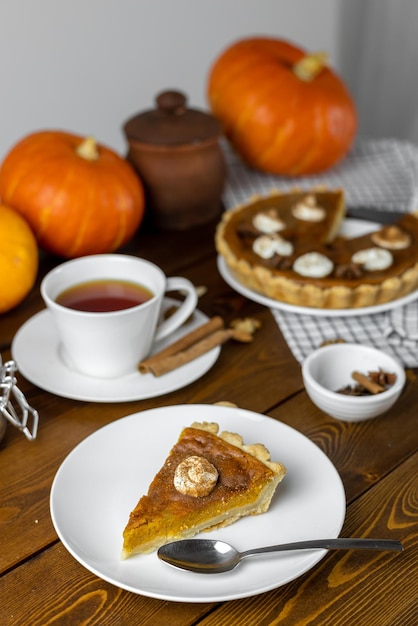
x=211, y=556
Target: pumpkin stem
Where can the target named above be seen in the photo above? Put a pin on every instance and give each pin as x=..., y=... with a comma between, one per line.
x=88, y=149
x=310, y=66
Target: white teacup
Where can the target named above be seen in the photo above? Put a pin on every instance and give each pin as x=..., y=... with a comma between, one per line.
x=112, y=343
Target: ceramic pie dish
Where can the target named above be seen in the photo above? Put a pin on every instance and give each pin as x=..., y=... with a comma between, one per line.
x=286, y=247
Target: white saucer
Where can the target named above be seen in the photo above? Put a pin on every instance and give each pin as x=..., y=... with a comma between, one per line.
x=35, y=349
x=350, y=228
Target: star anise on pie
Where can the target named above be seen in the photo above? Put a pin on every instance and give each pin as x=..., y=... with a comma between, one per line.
x=247, y=231
x=279, y=262
x=349, y=271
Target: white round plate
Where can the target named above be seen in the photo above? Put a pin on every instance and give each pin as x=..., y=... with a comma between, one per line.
x=35, y=349
x=350, y=228
x=101, y=480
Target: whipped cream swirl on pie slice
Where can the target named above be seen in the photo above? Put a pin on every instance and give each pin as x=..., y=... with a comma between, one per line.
x=268, y=222
x=266, y=246
x=391, y=237
x=195, y=476
x=314, y=265
x=373, y=259
x=308, y=211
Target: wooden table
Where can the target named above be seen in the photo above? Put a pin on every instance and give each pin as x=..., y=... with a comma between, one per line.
x=41, y=583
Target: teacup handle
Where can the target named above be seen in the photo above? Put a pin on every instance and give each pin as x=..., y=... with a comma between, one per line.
x=186, y=308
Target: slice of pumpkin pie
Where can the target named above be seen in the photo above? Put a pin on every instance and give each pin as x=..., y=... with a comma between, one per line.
x=208, y=480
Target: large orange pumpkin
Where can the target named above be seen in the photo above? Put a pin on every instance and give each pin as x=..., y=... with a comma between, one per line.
x=18, y=259
x=283, y=111
x=79, y=197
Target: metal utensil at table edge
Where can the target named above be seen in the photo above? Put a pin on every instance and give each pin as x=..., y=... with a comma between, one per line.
x=380, y=216
x=211, y=556
x=23, y=417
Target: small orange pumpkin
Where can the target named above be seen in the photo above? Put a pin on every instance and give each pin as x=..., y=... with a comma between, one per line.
x=283, y=111
x=18, y=259
x=79, y=197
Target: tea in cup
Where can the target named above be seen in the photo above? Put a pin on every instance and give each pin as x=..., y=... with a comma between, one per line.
x=104, y=296
x=106, y=309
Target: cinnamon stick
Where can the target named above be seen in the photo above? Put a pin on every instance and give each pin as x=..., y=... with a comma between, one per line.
x=367, y=383
x=148, y=365
x=160, y=366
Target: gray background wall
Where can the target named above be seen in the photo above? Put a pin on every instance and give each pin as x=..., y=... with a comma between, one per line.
x=88, y=65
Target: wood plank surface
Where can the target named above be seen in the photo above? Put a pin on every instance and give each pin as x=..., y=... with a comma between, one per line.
x=42, y=584
x=54, y=589
x=344, y=588
x=362, y=452
x=238, y=375
x=353, y=587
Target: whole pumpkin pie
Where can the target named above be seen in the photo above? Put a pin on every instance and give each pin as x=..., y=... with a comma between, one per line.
x=286, y=246
x=208, y=480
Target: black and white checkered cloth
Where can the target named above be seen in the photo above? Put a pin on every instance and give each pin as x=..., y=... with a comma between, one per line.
x=395, y=332
x=377, y=173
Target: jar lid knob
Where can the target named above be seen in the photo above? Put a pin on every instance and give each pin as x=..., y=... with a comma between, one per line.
x=171, y=102
x=172, y=123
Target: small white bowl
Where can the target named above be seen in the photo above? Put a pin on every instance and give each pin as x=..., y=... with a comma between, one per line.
x=328, y=369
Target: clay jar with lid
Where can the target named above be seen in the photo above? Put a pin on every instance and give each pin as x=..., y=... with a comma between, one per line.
x=176, y=153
